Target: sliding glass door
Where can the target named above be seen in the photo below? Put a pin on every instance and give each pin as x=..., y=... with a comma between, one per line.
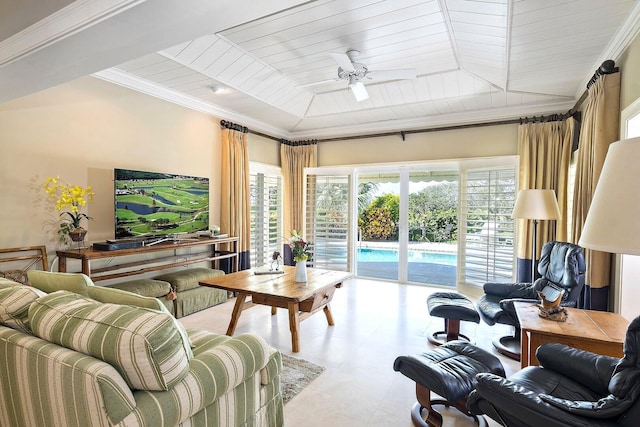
x=487, y=232
x=328, y=218
x=378, y=253
x=440, y=223
x=407, y=224
x=433, y=227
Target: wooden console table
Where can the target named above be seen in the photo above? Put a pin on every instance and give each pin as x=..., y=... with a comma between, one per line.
x=597, y=331
x=162, y=262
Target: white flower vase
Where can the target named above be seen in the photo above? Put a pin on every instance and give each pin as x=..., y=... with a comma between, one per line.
x=301, y=271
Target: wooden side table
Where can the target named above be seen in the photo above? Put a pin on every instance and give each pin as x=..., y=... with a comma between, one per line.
x=596, y=331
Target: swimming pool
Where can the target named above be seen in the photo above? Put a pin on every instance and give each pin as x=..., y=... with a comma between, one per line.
x=391, y=255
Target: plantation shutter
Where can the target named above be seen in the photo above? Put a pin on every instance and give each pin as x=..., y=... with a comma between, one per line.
x=327, y=221
x=488, y=200
x=266, y=217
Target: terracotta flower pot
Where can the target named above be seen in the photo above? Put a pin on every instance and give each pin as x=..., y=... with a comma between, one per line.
x=77, y=234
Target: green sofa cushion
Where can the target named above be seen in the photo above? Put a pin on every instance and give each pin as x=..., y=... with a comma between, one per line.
x=49, y=282
x=8, y=283
x=14, y=306
x=225, y=373
x=197, y=299
x=183, y=280
x=111, y=295
x=145, y=346
x=146, y=287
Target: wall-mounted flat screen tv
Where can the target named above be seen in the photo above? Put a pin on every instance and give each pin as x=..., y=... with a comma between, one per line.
x=151, y=204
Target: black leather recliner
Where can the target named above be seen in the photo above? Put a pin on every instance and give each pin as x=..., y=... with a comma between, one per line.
x=561, y=264
x=571, y=388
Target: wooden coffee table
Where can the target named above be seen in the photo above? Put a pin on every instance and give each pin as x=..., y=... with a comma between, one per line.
x=596, y=331
x=280, y=290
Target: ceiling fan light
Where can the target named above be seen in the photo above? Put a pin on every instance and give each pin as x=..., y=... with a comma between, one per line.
x=358, y=90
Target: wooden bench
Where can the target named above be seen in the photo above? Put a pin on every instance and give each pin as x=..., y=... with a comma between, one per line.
x=16, y=262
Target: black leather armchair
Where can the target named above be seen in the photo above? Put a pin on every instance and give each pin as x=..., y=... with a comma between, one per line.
x=571, y=388
x=561, y=264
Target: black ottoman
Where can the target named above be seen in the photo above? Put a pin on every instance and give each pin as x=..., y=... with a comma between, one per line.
x=449, y=371
x=453, y=307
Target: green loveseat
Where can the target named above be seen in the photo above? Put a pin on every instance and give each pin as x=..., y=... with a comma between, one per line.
x=72, y=360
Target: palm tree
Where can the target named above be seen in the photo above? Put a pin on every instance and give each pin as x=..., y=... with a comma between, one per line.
x=366, y=192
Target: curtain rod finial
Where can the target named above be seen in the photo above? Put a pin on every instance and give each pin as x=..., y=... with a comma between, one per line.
x=607, y=66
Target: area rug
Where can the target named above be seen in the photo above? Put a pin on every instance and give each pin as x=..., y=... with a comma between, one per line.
x=296, y=375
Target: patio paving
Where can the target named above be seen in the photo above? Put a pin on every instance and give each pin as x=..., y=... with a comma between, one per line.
x=419, y=272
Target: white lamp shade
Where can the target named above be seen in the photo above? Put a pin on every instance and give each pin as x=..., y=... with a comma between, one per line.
x=536, y=204
x=613, y=219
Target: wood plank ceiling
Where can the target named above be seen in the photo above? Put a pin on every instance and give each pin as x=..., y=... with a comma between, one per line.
x=475, y=61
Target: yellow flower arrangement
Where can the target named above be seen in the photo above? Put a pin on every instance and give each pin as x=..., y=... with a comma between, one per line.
x=68, y=196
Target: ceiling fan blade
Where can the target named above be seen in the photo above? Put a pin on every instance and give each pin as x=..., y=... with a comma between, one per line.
x=343, y=61
x=359, y=91
x=391, y=74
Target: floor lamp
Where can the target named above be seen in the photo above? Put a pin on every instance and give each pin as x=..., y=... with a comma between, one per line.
x=536, y=205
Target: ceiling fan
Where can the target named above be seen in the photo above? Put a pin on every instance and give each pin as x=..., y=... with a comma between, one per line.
x=354, y=72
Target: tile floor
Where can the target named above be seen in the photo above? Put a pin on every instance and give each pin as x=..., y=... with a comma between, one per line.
x=375, y=322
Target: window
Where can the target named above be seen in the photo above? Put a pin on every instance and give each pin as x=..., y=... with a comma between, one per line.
x=488, y=199
x=573, y=165
x=265, y=187
x=327, y=220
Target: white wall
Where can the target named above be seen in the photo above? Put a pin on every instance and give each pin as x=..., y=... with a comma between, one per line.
x=486, y=141
x=82, y=131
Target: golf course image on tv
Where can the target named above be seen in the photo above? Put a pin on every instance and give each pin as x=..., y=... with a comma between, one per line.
x=156, y=204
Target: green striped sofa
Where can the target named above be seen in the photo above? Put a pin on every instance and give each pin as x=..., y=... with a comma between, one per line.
x=70, y=360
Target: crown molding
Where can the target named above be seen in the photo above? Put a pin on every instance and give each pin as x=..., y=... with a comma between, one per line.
x=623, y=38
x=121, y=78
x=69, y=20
x=129, y=81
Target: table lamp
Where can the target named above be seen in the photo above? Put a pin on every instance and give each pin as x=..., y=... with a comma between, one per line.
x=613, y=220
x=536, y=205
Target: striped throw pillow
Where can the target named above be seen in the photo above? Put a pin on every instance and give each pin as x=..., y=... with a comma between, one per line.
x=143, y=345
x=118, y=296
x=14, y=306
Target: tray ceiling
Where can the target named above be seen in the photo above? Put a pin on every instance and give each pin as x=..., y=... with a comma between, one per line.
x=475, y=61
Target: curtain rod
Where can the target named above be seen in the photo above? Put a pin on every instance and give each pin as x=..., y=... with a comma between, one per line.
x=401, y=133
x=542, y=119
x=404, y=133
x=298, y=143
x=607, y=67
x=244, y=129
x=234, y=126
